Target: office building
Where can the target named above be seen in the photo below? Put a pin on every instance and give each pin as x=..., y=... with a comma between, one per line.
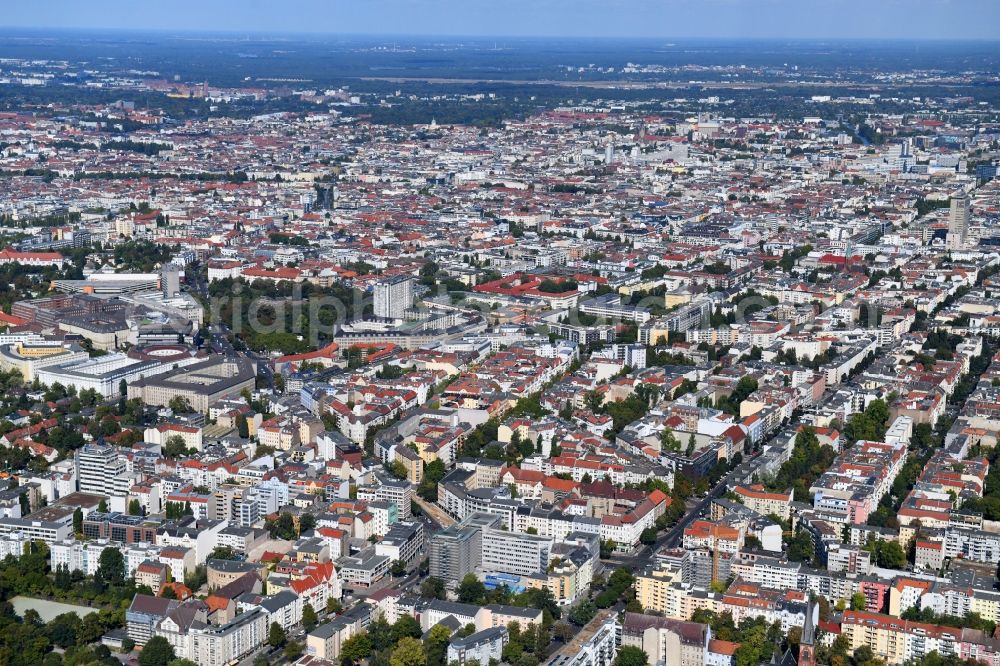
x=454, y=553
x=119, y=527
x=458, y=550
x=202, y=383
x=394, y=491
x=103, y=374
x=100, y=469
x=393, y=297
x=28, y=358
x=170, y=280
x=73, y=555
x=513, y=552
x=958, y=221
x=364, y=570
x=40, y=530
x=609, y=306
x=402, y=541
x=213, y=645
x=326, y=640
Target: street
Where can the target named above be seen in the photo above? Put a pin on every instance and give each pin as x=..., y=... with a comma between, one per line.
x=671, y=538
x=220, y=333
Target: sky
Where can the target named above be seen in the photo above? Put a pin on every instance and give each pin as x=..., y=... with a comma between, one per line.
x=809, y=19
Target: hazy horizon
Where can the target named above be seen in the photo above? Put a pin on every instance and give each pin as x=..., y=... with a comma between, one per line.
x=545, y=19
x=263, y=35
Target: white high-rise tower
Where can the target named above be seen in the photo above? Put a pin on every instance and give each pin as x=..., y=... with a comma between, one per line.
x=958, y=221
x=393, y=297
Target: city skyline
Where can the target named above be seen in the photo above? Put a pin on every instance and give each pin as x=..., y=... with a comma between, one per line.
x=352, y=334
x=730, y=19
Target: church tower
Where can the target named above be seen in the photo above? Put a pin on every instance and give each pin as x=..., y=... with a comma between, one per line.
x=807, y=646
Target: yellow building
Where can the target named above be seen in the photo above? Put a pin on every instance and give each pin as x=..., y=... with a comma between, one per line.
x=28, y=358
x=567, y=581
x=506, y=432
x=675, y=298
x=659, y=590
x=987, y=605
x=648, y=285
x=757, y=499
x=894, y=640
x=412, y=462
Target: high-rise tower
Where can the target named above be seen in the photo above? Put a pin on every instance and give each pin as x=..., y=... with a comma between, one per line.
x=958, y=221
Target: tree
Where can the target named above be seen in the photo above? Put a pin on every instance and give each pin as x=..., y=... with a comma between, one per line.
x=754, y=646
x=648, y=536
x=111, y=566
x=432, y=588
x=669, y=441
x=583, y=613
x=689, y=450
x=397, y=469
x=63, y=629
x=309, y=618
x=406, y=627
x=102, y=507
x=293, y=650
x=157, y=651
x=222, y=553
x=78, y=521
x=593, y=400
x=276, y=635
x=631, y=656
x=869, y=424
x=801, y=547
x=408, y=652
x=307, y=522
x=180, y=404
x=891, y=555
x=283, y=527
x=865, y=656
x=242, y=427
x=90, y=629
x=436, y=645
x=134, y=508
x=398, y=568
x=357, y=647
x=434, y=471
x=175, y=447
x=471, y=590
x=564, y=632
x=809, y=459
x=858, y=601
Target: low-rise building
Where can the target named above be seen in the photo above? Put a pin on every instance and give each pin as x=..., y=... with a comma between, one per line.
x=482, y=647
